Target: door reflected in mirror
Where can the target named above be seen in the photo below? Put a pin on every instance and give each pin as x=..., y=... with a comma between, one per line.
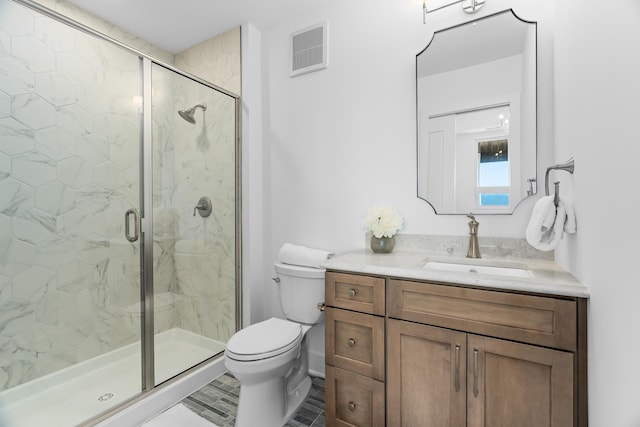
x=476, y=111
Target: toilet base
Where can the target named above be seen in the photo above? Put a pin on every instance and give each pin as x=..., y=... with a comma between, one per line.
x=267, y=404
x=272, y=403
x=296, y=397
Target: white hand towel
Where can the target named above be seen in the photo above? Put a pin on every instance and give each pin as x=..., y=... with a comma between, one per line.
x=570, y=225
x=548, y=223
x=303, y=256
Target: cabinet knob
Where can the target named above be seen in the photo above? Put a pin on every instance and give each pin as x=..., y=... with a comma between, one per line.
x=351, y=342
x=352, y=293
x=351, y=406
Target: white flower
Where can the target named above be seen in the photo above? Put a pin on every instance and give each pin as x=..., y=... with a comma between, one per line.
x=383, y=221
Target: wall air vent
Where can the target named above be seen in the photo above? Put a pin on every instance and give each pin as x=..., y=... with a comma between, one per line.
x=308, y=49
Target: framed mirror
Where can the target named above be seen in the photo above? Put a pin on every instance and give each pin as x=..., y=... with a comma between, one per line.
x=476, y=116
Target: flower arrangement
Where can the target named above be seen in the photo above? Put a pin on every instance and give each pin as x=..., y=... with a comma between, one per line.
x=382, y=221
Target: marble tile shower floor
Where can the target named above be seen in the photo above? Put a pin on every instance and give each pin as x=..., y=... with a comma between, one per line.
x=218, y=402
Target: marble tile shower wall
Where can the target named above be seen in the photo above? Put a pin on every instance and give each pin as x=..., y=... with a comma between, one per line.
x=69, y=169
x=69, y=133
x=72, y=11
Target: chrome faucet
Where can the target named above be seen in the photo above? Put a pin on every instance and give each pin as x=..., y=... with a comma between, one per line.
x=474, y=248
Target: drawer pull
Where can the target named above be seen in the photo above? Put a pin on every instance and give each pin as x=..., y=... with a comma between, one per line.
x=351, y=406
x=457, y=368
x=475, y=372
x=352, y=293
x=351, y=342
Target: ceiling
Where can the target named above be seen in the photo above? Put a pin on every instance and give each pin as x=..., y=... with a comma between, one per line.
x=176, y=25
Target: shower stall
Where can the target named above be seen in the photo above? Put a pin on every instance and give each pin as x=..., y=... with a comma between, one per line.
x=119, y=220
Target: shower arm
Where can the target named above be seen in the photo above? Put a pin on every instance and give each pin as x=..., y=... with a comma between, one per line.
x=188, y=114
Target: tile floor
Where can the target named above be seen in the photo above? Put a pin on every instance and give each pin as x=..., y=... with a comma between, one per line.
x=218, y=401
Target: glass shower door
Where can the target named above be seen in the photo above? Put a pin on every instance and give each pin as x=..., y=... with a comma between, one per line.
x=194, y=221
x=77, y=334
x=69, y=170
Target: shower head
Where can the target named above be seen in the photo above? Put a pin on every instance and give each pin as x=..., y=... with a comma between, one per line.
x=188, y=114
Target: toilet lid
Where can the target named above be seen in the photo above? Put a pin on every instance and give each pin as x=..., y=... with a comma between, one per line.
x=264, y=339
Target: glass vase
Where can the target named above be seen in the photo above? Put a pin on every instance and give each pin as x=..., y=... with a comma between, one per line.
x=382, y=245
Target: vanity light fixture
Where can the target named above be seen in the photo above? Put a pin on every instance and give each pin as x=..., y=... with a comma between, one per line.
x=469, y=6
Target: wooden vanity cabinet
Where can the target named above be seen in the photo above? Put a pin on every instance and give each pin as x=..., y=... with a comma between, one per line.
x=460, y=356
x=510, y=359
x=354, y=350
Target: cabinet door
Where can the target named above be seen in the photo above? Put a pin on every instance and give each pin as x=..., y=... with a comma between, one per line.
x=512, y=384
x=426, y=375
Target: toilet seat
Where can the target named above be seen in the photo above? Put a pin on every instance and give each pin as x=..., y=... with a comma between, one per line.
x=265, y=339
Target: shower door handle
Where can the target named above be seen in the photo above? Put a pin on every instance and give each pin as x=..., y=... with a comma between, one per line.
x=136, y=228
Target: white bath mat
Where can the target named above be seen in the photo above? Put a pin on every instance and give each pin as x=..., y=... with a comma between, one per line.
x=178, y=415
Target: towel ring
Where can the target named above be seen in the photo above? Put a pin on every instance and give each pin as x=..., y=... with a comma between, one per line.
x=567, y=166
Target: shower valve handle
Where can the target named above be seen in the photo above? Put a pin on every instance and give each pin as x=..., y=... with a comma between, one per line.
x=204, y=207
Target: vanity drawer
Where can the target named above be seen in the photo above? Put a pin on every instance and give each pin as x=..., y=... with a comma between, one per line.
x=353, y=400
x=355, y=341
x=355, y=292
x=532, y=319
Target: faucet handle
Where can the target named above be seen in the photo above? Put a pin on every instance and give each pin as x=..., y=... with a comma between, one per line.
x=473, y=224
x=204, y=207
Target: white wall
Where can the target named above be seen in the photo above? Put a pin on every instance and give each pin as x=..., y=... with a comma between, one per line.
x=343, y=139
x=338, y=141
x=597, y=109
x=255, y=277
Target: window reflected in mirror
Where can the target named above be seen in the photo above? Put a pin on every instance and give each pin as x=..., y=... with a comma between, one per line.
x=493, y=179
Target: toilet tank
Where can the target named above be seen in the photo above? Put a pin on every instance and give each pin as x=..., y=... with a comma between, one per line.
x=301, y=289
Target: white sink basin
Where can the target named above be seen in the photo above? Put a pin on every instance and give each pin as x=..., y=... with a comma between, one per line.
x=478, y=269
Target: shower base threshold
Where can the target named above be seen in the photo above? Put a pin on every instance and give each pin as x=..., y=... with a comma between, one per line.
x=74, y=394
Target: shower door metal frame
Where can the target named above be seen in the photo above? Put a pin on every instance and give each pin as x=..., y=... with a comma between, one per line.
x=146, y=214
x=146, y=254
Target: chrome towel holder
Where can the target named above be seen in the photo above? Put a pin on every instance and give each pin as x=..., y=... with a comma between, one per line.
x=567, y=166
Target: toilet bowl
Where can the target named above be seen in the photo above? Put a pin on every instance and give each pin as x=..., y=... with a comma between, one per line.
x=270, y=358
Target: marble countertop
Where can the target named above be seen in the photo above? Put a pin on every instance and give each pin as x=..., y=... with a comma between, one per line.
x=548, y=277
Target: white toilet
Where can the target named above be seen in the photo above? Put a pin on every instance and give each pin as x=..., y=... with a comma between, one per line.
x=270, y=358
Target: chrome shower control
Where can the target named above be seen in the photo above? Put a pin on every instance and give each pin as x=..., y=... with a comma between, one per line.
x=204, y=207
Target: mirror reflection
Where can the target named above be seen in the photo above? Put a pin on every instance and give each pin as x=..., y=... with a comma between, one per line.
x=476, y=112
